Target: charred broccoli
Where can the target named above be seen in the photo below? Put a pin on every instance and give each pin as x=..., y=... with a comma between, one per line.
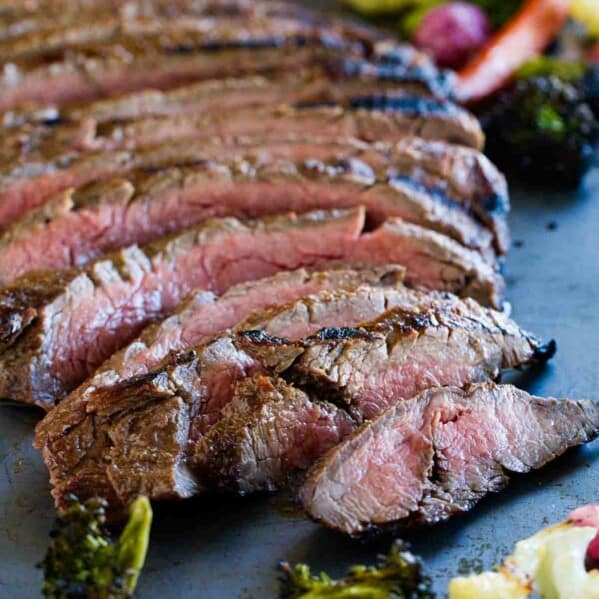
x=398, y=575
x=542, y=129
x=84, y=561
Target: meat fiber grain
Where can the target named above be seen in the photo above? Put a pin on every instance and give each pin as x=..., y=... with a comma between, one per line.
x=439, y=454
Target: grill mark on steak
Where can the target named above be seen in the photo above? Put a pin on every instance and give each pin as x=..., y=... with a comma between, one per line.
x=455, y=170
x=72, y=437
x=368, y=368
x=408, y=104
x=438, y=454
x=79, y=225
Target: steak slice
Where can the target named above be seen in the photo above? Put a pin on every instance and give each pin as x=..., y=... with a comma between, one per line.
x=391, y=118
x=268, y=431
x=249, y=450
x=75, y=437
x=32, y=172
x=33, y=14
x=79, y=225
x=42, y=36
x=438, y=454
x=336, y=81
x=60, y=24
x=51, y=342
x=57, y=327
x=368, y=368
x=168, y=56
x=311, y=86
x=202, y=315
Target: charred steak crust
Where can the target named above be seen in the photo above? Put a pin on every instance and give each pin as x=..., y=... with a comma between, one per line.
x=447, y=448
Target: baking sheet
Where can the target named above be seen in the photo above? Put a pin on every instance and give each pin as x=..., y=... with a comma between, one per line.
x=230, y=547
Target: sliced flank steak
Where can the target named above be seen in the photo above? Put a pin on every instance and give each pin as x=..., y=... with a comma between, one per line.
x=58, y=326
x=41, y=36
x=39, y=13
x=386, y=116
x=203, y=314
x=52, y=340
x=334, y=83
x=79, y=225
x=75, y=69
x=30, y=173
x=253, y=446
x=439, y=454
x=64, y=434
x=206, y=378
x=365, y=369
x=196, y=390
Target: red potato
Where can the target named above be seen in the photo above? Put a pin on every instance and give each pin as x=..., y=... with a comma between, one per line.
x=526, y=35
x=452, y=33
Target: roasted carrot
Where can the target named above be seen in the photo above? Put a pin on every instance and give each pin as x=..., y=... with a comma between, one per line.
x=527, y=34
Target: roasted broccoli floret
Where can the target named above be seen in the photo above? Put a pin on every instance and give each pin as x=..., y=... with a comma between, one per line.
x=542, y=129
x=398, y=575
x=84, y=561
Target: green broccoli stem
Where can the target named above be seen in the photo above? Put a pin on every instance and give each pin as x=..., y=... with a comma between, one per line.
x=134, y=541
